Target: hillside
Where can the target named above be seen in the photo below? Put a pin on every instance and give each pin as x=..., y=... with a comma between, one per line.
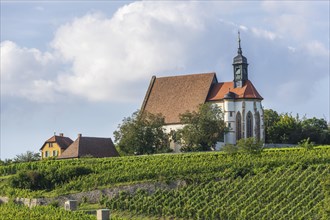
x=278, y=184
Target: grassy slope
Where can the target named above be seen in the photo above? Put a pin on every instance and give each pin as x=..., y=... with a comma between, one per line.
x=276, y=183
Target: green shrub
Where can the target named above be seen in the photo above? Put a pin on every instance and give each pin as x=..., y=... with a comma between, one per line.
x=250, y=145
x=46, y=180
x=306, y=144
x=30, y=179
x=230, y=148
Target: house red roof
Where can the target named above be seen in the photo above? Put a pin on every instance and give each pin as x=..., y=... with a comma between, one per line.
x=219, y=90
x=93, y=146
x=63, y=142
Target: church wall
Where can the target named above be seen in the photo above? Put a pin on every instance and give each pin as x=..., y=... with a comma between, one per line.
x=173, y=145
x=230, y=108
x=253, y=106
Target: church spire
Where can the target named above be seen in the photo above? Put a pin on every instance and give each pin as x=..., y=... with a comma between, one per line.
x=239, y=51
x=240, y=66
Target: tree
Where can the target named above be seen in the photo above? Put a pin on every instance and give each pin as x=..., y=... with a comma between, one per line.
x=202, y=130
x=270, y=118
x=142, y=133
x=316, y=130
x=27, y=157
x=285, y=128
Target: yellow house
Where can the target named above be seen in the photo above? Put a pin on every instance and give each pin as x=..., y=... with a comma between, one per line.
x=55, y=146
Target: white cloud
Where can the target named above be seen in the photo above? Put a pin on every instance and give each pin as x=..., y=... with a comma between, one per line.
x=99, y=58
x=316, y=48
x=242, y=27
x=104, y=56
x=292, y=49
x=23, y=70
x=264, y=33
x=108, y=54
x=39, y=8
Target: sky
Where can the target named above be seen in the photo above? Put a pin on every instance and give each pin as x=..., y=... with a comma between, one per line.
x=82, y=66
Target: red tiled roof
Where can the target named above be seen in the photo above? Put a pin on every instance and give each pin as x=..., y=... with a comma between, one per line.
x=174, y=95
x=219, y=90
x=62, y=141
x=94, y=146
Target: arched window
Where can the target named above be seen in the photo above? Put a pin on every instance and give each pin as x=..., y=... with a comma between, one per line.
x=249, y=125
x=238, y=126
x=257, y=118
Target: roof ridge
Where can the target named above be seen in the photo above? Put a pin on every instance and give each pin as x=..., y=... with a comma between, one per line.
x=254, y=90
x=210, y=87
x=151, y=84
x=189, y=74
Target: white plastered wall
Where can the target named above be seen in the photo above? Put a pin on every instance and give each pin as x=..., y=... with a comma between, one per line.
x=173, y=127
x=230, y=108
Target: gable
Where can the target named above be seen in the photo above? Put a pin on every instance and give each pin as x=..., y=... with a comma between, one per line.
x=172, y=96
x=63, y=142
x=219, y=90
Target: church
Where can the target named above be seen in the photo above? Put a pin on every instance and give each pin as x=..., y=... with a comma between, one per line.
x=239, y=100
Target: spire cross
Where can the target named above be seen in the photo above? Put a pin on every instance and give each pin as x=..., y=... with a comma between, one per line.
x=239, y=44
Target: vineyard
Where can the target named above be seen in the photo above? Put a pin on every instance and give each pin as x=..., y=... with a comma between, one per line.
x=277, y=184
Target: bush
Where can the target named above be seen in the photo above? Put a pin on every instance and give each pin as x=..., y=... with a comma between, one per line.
x=46, y=180
x=241, y=172
x=306, y=144
x=30, y=179
x=250, y=145
x=230, y=149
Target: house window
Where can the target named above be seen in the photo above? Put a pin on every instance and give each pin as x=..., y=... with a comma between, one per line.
x=231, y=114
x=238, y=126
x=55, y=153
x=229, y=125
x=46, y=153
x=249, y=125
x=50, y=144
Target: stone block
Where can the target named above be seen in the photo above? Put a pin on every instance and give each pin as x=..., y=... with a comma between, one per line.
x=103, y=214
x=71, y=205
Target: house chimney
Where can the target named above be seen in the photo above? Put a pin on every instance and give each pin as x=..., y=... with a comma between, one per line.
x=61, y=134
x=79, y=135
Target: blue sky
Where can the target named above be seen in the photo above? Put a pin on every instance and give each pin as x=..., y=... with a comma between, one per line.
x=82, y=66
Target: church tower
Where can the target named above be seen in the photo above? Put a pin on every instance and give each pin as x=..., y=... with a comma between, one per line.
x=240, y=67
